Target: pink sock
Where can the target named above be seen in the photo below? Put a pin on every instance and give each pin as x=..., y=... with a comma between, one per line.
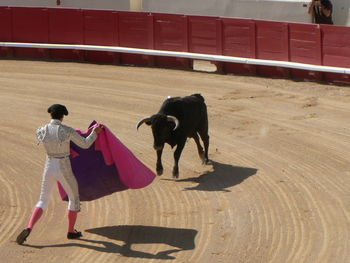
x=37, y=213
x=72, y=218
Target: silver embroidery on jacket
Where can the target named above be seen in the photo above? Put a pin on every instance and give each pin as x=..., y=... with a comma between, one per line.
x=40, y=133
x=56, y=139
x=63, y=133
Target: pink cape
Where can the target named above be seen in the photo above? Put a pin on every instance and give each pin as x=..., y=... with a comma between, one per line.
x=106, y=167
x=132, y=172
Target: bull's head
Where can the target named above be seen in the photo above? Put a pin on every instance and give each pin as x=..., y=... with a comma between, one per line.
x=162, y=126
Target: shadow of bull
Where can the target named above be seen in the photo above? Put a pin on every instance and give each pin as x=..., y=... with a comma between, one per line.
x=221, y=178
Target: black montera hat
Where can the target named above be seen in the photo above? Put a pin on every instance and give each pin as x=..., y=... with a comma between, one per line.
x=58, y=109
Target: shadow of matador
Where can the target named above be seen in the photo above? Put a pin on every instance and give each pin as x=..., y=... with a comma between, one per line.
x=180, y=238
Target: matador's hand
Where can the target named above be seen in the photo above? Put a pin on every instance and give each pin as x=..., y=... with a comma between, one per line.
x=98, y=129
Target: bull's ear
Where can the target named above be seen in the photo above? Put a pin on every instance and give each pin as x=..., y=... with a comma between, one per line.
x=148, y=122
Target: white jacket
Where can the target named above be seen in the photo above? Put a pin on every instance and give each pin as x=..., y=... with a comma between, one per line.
x=56, y=138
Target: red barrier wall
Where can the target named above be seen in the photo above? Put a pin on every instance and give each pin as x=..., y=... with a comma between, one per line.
x=304, y=43
x=6, y=24
x=272, y=43
x=136, y=30
x=305, y=47
x=24, y=20
x=203, y=35
x=171, y=33
x=101, y=28
x=66, y=26
x=5, y=29
x=336, y=50
x=239, y=41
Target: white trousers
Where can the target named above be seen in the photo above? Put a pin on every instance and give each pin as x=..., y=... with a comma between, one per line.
x=59, y=170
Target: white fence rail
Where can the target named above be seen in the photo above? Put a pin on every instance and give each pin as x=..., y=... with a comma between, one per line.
x=151, y=52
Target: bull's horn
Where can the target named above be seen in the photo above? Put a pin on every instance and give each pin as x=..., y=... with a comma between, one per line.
x=142, y=121
x=174, y=120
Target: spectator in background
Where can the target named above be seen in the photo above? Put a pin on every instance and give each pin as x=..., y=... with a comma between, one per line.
x=321, y=11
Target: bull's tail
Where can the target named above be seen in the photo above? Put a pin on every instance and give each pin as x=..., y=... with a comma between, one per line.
x=199, y=96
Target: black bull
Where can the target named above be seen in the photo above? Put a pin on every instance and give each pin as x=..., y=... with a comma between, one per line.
x=179, y=118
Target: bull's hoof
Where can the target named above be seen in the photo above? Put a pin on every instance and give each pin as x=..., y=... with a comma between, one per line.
x=175, y=173
x=202, y=157
x=159, y=172
x=207, y=162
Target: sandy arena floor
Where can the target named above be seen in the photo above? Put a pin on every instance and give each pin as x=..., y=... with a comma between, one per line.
x=278, y=189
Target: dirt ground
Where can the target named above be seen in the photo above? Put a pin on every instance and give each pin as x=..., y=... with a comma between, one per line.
x=277, y=191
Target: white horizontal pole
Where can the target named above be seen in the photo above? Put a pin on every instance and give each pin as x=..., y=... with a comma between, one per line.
x=152, y=52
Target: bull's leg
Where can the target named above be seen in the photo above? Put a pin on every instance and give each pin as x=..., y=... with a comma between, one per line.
x=205, y=139
x=159, y=162
x=177, y=155
x=199, y=147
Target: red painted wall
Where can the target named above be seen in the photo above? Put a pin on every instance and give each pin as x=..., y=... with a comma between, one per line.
x=136, y=30
x=305, y=47
x=296, y=42
x=171, y=33
x=66, y=26
x=336, y=50
x=24, y=20
x=5, y=29
x=101, y=28
x=272, y=43
x=238, y=36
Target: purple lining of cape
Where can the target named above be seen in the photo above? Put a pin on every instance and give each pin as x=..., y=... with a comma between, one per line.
x=108, y=166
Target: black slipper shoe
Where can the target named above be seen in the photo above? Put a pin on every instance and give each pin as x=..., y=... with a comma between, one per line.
x=23, y=236
x=74, y=235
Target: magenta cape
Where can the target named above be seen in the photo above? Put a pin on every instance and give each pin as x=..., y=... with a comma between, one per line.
x=108, y=166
